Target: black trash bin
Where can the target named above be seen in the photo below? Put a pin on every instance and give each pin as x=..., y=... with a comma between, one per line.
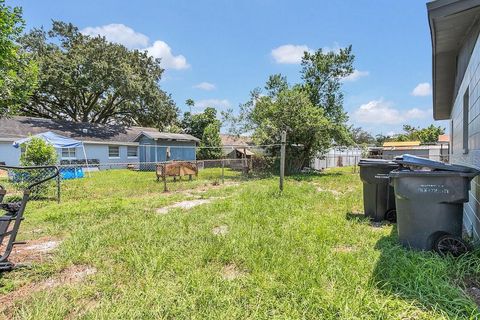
x=430, y=202
x=378, y=195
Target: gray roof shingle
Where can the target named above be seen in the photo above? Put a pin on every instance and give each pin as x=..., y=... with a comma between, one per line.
x=20, y=127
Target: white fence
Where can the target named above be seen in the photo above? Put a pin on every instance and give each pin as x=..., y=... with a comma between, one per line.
x=337, y=157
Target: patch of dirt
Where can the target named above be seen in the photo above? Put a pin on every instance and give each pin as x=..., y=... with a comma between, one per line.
x=472, y=288
x=69, y=276
x=344, y=249
x=207, y=187
x=231, y=272
x=334, y=192
x=186, y=205
x=220, y=230
x=38, y=250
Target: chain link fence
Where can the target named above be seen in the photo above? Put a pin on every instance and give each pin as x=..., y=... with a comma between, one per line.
x=42, y=183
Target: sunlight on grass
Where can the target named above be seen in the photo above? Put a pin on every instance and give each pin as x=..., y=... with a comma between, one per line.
x=306, y=253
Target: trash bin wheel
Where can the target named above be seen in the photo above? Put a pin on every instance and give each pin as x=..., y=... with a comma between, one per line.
x=448, y=244
x=391, y=215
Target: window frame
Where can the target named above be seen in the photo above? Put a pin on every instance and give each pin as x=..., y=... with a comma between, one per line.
x=128, y=152
x=118, y=152
x=69, y=152
x=465, y=125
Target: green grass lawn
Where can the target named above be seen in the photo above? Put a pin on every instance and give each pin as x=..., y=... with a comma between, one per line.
x=303, y=254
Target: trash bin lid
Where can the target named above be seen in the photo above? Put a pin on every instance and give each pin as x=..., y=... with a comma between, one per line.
x=408, y=159
x=377, y=162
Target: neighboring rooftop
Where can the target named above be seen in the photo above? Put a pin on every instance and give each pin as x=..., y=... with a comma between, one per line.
x=233, y=140
x=401, y=143
x=20, y=127
x=444, y=138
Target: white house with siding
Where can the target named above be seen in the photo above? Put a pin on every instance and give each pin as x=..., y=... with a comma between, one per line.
x=104, y=144
x=455, y=28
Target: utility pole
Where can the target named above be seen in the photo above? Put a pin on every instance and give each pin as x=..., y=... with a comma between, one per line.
x=282, y=158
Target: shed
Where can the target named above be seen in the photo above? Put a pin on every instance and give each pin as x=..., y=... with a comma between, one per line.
x=157, y=146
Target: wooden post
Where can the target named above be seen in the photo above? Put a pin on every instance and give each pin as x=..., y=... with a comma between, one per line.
x=282, y=159
x=245, y=164
x=223, y=168
x=164, y=177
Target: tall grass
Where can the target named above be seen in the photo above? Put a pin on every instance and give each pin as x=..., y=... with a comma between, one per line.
x=303, y=254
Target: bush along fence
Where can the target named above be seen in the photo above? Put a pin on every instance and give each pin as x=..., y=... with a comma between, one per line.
x=42, y=182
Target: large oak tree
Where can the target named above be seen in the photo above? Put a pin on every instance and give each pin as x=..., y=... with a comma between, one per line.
x=88, y=79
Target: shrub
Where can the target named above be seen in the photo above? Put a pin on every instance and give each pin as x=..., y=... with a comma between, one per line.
x=38, y=153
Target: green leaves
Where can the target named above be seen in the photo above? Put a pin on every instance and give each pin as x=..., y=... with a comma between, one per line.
x=211, y=142
x=88, y=79
x=18, y=73
x=311, y=111
x=322, y=73
x=424, y=135
x=36, y=152
x=205, y=126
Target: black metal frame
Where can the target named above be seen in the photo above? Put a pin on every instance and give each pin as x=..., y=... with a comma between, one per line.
x=14, y=212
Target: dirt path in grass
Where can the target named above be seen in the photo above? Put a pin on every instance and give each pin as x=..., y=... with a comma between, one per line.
x=197, y=193
x=187, y=204
x=69, y=276
x=33, y=251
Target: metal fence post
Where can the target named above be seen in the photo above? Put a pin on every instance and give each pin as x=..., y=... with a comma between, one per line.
x=58, y=187
x=282, y=158
x=223, y=168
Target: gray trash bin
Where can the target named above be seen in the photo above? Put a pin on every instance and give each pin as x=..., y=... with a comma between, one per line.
x=378, y=195
x=430, y=202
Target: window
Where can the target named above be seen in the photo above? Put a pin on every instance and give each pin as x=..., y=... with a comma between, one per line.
x=132, y=152
x=466, y=107
x=68, y=153
x=113, y=151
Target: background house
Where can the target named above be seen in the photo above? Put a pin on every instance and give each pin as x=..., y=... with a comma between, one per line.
x=455, y=27
x=104, y=144
x=236, y=147
x=435, y=151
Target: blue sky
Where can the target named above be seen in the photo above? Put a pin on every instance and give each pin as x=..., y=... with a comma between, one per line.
x=215, y=52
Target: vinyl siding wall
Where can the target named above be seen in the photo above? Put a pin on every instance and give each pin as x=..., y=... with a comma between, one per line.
x=8, y=153
x=469, y=86
x=11, y=155
x=156, y=151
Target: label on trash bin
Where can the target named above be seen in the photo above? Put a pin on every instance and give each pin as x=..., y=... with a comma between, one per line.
x=433, y=188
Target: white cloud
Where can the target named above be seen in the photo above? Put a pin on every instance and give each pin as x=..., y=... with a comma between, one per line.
x=422, y=90
x=119, y=33
x=162, y=50
x=357, y=74
x=215, y=103
x=335, y=48
x=383, y=112
x=122, y=34
x=207, y=86
x=289, y=53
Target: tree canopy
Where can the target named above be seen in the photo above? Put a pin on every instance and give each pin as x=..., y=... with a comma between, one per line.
x=361, y=136
x=18, y=73
x=88, y=79
x=311, y=111
x=206, y=127
x=424, y=135
x=196, y=123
